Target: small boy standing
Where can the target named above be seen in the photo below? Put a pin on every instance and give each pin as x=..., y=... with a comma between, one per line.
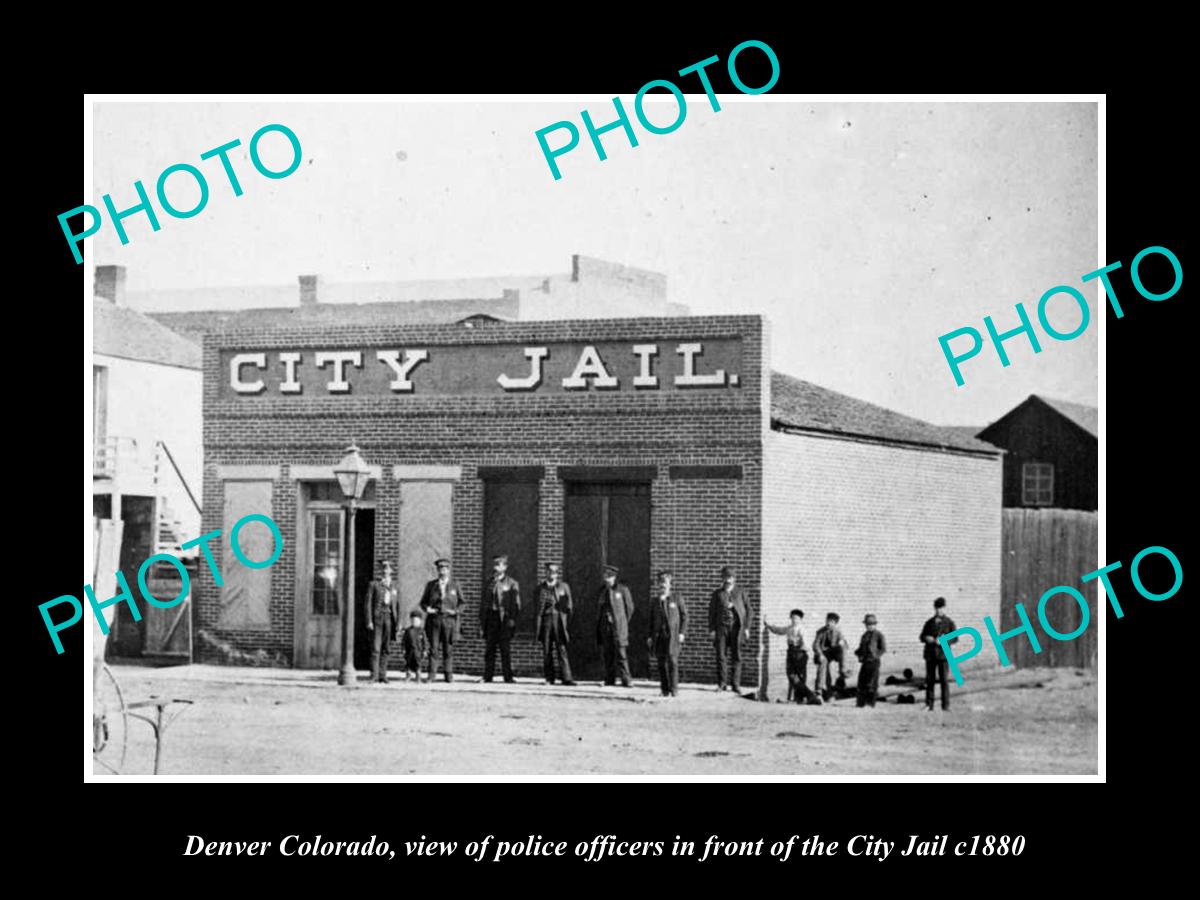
x=870, y=650
x=829, y=647
x=797, y=658
x=413, y=645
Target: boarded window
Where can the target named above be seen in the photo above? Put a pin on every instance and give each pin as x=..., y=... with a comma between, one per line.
x=426, y=534
x=246, y=596
x=1037, y=484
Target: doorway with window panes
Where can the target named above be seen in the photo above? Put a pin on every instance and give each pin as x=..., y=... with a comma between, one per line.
x=321, y=571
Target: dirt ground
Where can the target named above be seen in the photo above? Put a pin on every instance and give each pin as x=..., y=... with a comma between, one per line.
x=281, y=721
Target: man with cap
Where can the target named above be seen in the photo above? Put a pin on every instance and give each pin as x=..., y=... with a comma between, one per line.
x=554, y=608
x=498, y=611
x=382, y=603
x=442, y=602
x=797, y=657
x=870, y=651
x=935, y=656
x=829, y=646
x=728, y=626
x=615, y=603
x=668, y=620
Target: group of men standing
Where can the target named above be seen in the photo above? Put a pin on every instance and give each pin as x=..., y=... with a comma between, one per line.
x=830, y=647
x=443, y=601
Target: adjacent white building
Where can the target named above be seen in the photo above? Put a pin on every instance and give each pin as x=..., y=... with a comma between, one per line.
x=147, y=450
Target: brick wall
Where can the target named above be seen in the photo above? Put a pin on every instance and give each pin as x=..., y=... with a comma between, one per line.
x=855, y=527
x=696, y=524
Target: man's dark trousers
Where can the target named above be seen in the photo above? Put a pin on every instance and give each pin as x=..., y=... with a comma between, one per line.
x=437, y=632
x=668, y=669
x=935, y=670
x=379, y=648
x=868, y=682
x=797, y=673
x=555, y=646
x=498, y=634
x=729, y=638
x=616, y=662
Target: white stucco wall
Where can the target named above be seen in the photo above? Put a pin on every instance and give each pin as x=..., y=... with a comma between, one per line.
x=149, y=402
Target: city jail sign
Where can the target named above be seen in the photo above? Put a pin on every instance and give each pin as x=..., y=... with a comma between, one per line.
x=484, y=369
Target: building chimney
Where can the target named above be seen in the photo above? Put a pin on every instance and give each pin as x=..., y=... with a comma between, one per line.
x=310, y=286
x=110, y=284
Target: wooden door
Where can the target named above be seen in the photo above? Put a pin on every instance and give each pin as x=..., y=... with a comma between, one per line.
x=607, y=523
x=319, y=603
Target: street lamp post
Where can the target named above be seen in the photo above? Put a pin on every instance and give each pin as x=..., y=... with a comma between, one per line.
x=352, y=473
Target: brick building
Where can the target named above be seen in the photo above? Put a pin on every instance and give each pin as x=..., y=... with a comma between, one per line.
x=649, y=443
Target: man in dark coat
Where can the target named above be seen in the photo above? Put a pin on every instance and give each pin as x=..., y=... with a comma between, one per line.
x=554, y=608
x=668, y=620
x=499, y=608
x=382, y=603
x=870, y=651
x=442, y=602
x=935, y=656
x=728, y=626
x=615, y=604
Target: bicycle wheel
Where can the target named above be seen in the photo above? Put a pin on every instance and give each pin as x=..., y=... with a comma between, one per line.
x=110, y=722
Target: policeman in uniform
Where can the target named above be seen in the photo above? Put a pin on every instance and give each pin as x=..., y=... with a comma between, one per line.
x=728, y=626
x=382, y=602
x=668, y=620
x=935, y=656
x=498, y=611
x=442, y=602
x=554, y=606
x=615, y=604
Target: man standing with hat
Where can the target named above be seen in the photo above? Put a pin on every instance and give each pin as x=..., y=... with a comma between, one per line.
x=554, y=608
x=870, y=651
x=935, y=656
x=442, y=602
x=498, y=611
x=668, y=619
x=728, y=626
x=612, y=627
x=797, y=658
x=830, y=646
x=382, y=603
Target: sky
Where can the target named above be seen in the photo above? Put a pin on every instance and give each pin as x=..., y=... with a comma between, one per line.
x=862, y=231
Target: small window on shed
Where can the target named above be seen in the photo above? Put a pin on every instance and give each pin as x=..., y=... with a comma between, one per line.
x=1037, y=484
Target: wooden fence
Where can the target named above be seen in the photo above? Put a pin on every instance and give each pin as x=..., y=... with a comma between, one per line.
x=1043, y=548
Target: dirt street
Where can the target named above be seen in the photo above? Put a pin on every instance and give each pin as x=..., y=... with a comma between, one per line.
x=282, y=721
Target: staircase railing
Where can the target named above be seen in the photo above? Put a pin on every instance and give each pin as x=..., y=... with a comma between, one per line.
x=114, y=455
x=165, y=519
x=182, y=480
